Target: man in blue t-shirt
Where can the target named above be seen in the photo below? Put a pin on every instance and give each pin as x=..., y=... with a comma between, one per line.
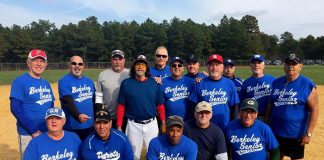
x=140, y=99
x=294, y=109
x=30, y=97
x=55, y=143
x=249, y=138
x=106, y=142
x=76, y=93
x=161, y=70
x=209, y=137
x=173, y=145
x=217, y=90
x=176, y=90
x=229, y=72
x=258, y=86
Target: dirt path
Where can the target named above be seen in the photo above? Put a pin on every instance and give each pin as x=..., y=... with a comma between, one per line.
x=9, y=144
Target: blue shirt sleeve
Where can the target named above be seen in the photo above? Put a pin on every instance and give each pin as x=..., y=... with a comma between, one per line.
x=192, y=152
x=152, y=151
x=86, y=152
x=31, y=151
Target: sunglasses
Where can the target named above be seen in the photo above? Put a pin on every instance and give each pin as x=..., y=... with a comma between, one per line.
x=161, y=56
x=75, y=63
x=176, y=65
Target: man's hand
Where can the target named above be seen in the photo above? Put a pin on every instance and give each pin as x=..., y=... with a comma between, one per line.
x=198, y=80
x=83, y=117
x=119, y=128
x=37, y=133
x=163, y=128
x=305, y=140
x=158, y=80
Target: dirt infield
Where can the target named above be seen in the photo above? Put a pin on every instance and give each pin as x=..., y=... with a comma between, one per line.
x=9, y=144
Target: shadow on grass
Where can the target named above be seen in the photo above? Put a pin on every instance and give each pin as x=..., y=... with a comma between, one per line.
x=8, y=153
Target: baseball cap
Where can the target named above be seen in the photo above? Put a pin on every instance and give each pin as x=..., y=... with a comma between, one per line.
x=37, y=53
x=140, y=58
x=174, y=59
x=257, y=57
x=250, y=103
x=102, y=115
x=192, y=58
x=203, y=106
x=58, y=112
x=174, y=120
x=229, y=62
x=216, y=57
x=117, y=53
x=293, y=58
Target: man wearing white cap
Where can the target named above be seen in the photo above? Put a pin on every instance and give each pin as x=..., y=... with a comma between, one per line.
x=109, y=83
x=30, y=97
x=56, y=143
x=209, y=137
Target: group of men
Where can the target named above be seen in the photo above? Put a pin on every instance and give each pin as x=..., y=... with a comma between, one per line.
x=200, y=112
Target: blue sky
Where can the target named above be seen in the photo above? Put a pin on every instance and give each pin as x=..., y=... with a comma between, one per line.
x=300, y=17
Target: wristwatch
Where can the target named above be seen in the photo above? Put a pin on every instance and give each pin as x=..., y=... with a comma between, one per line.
x=308, y=134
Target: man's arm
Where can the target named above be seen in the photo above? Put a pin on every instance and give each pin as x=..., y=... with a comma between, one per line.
x=274, y=154
x=87, y=151
x=67, y=102
x=313, y=107
x=233, y=112
x=268, y=112
x=161, y=112
x=120, y=116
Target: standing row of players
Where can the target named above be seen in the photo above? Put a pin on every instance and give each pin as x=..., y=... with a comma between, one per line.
x=139, y=99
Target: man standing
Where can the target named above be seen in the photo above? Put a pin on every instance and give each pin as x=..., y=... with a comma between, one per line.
x=77, y=99
x=56, y=143
x=176, y=90
x=209, y=137
x=250, y=138
x=106, y=142
x=193, y=68
x=294, y=109
x=141, y=100
x=30, y=97
x=173, y=145
x=161, y=69
x=229, y=72
x=258, y=86
x=109, y=82
x=220, y=92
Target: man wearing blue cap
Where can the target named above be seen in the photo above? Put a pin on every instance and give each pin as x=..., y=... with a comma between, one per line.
x=229, y=71
x=258, y=86
x=56, y=143
x=176, y=90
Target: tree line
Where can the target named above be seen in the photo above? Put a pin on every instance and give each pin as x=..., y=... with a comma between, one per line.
x=232, y=38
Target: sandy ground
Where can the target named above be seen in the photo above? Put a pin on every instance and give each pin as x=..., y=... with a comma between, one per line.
x=9, y=142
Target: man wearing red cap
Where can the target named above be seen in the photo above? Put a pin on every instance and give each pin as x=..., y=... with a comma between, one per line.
x=30, y=97
x=220, y=92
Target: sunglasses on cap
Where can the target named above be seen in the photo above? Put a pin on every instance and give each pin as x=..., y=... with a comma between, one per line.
x=176, y=65
x=75, y=63
x=161, y=56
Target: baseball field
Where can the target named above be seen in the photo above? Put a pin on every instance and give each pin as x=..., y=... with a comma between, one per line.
x=8, y=133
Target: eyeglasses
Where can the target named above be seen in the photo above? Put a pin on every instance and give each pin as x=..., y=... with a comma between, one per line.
x=161, y=56
x=75, y=63
x=176, y=65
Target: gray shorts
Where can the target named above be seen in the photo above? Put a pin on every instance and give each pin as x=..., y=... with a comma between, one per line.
x=23, y=141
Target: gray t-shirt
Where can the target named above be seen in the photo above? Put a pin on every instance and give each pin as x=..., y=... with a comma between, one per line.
x=108, y=88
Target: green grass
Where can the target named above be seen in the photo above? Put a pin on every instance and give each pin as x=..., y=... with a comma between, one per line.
x=316, y=73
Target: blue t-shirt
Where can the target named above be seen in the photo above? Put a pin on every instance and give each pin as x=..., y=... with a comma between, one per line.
x=238, y=84
x=140, y=98
x=161, y=148
x=176, y=96
x=116, y=147
x=250, y=143
x=82, y=90
x=43, y=147
x=258, y=89
x=36, y=96
x=161, y=73
x=289, y=115
x=198, y=75
x=221, y=94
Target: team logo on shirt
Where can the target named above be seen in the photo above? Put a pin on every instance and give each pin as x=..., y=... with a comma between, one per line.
x=163, y=156
x=65, y=155
x=83, y=91
x=163, y=76
x=259, y=90
x=216, y=97
x=177, y=92
x=44, y=94
x=285, y=97
x=115, y=155
x=247, y=144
